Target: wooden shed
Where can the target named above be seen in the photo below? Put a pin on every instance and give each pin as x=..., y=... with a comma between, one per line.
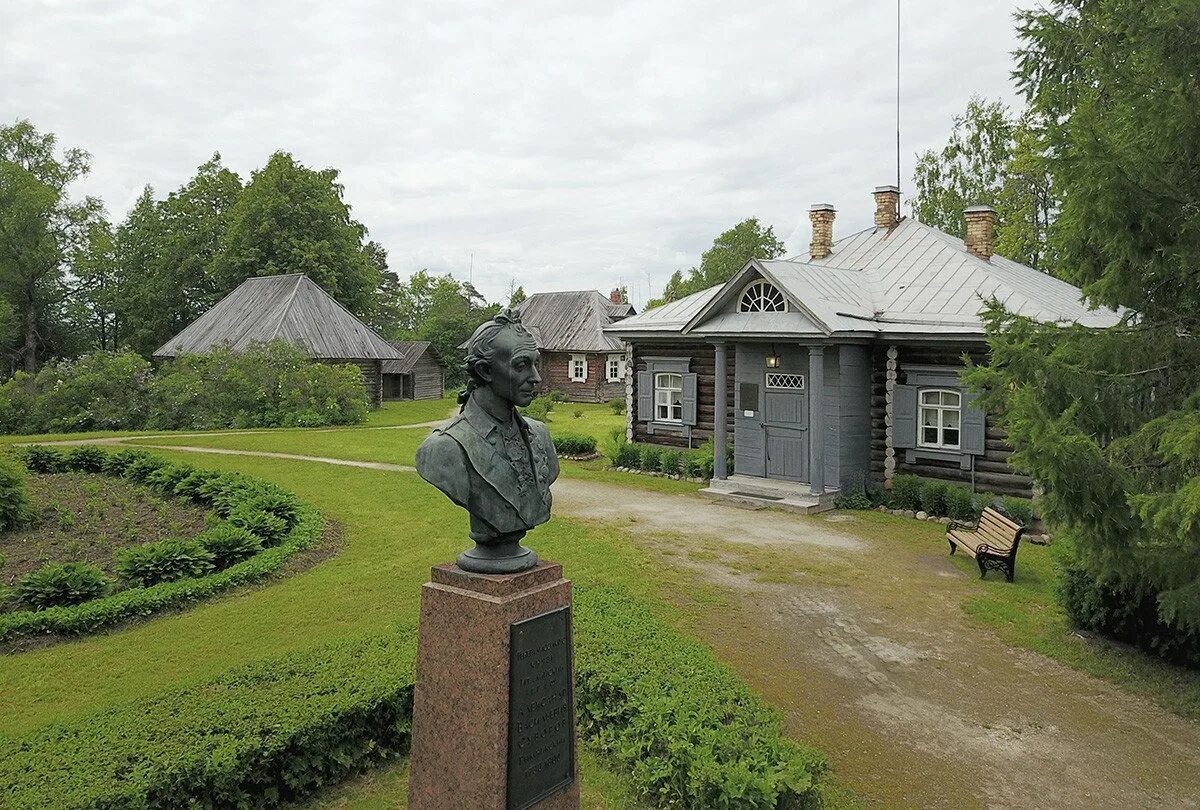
x=418, y=374
x=293, y=308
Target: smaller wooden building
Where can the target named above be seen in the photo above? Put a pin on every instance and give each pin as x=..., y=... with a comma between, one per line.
x=416, y=374
x=294, y=308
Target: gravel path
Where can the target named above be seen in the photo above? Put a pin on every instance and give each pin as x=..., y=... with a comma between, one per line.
x=864, y=646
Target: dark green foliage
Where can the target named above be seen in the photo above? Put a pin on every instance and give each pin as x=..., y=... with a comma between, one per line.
x=1108, y=420
x=256, y=736
x=1019, y=509
x=164, y=561
x=39, y=459
x=14, y=494
x=617, y=404
x=854, y=496
x=539, y=409
x=695, y=464
x=229, y=544
x=574, y=444
x=613, y=445
x=98, y=391
x=189, y=486
x=274, y=501
x=691, y=734
x=669, y=461
x=265, y=526
x=116, y=463
x=906, y=491
x=960, y=504
x=557, y=396
x=933, y=497
x=628, y=455
x=265, y=385
x=140, y=470
x=56, y=584
x=86, y=458
x=1127, y=615
x=165, y=479
x=650, y=457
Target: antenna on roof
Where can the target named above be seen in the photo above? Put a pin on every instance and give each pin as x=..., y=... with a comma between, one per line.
x=897, y=95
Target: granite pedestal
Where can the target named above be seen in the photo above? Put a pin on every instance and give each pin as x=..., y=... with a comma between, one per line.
x=494, y=647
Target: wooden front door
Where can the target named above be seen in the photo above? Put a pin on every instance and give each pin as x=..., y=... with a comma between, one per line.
x=785, y=425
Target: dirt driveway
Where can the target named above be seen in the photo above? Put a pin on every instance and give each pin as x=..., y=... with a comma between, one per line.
x=863, y=644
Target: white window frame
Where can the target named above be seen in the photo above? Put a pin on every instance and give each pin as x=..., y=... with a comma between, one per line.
x=614, y=368
x=940, y=411
x=577, y=368
x=760, y=282
x=667, y=383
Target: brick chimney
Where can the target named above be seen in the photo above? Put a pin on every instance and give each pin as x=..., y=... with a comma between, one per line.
x=980, y=230
x=887, y=206
x=821, y=215
x=616, y=297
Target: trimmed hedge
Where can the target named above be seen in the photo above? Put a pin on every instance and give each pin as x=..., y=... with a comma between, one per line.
x=256, y=736
x=234, y=489
x=692, y=734
x=574, y=444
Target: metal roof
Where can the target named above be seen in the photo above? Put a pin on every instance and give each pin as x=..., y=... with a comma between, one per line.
x=410, y=352
x=291, y=307
x=908, y=280
x=571, y=321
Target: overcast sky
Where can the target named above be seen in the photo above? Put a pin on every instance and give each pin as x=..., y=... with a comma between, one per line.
x=567, y=149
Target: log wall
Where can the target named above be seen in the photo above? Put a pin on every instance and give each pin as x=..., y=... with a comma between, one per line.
x=992, y=471
x=703, y=365
x=555, y=368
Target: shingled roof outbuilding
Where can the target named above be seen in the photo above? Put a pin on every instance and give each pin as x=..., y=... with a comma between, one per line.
x=292, y=308
x=572, y=321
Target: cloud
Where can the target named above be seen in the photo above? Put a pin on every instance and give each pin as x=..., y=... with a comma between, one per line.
x=564, y=145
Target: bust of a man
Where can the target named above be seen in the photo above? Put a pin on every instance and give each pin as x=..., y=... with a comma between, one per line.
x=490, y=459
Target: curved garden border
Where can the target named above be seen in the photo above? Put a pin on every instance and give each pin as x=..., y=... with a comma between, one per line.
x=139, y=602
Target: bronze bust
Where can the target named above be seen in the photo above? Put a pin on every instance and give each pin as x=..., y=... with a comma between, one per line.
x=491, y=460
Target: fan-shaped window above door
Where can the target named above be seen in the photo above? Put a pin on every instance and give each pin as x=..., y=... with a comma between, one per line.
x=762, y=296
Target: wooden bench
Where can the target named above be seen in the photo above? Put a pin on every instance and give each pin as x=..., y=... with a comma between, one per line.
x=992, y=542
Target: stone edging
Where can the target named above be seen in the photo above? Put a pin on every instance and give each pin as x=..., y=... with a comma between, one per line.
x=660, y=475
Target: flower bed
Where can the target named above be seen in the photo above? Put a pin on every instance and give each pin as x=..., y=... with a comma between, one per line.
x=261, y=527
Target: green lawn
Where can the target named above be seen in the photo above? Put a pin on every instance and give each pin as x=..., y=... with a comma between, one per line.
x=413, y=411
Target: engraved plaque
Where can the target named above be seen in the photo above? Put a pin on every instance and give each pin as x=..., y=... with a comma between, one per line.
x=541, y=715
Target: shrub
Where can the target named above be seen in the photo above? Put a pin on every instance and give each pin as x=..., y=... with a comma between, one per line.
x=539, y=409
x=41, y=459
x=118, y=462
x=189, y=486
x=574, y=444
x=612, y=443
x=140, y=471
x=577, y=413
x=669, y=462
x=694, y=463
x=854, y=495
x=14, y=494
x=1019, y=509
x=86, y=458
x=1126, y=614
x=229, y=544
x=98, y=391
x=650, y=457
x=164, y=561
x=166, y=478
x=933, y=497
x=960, y=504
x=265, y=526
x=906, y=491
x=62, y=584
x=556, y=396
x=256, y=736
x=617, y=405
x=687, y=729
x=265, y=385
x=283, y=505
x=628, y=456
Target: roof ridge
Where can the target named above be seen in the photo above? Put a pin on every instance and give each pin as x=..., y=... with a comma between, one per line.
x=287, y=307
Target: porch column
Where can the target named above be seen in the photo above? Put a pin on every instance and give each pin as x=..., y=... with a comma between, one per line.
x=816, y=419
x=720, y=422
